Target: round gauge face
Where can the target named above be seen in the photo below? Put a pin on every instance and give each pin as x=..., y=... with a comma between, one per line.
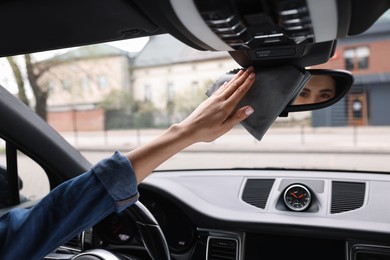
x=117, y=228
x=297, y=197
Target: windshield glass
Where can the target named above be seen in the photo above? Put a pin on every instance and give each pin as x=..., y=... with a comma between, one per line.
x=117, y=96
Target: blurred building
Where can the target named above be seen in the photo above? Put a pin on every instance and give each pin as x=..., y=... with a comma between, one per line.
x=79, y=80
x=367, y=57
x=174, y=77
x=164, y=82
x=167, y=79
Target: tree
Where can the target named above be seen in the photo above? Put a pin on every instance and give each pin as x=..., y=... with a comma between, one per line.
x=118, y=108
x=73, y=74
x=118, y=99
x=19, y=80
x=40, y=92
x=34, y=72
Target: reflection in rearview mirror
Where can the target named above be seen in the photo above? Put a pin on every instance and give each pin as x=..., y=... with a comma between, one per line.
x=323, y=89
x=318, y=89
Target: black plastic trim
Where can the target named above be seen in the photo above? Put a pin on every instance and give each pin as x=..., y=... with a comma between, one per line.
x=46, y=146
x=343, y=18
x=12, y=173
x=299, y=55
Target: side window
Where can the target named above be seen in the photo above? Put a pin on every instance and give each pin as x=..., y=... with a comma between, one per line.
x=32, y=179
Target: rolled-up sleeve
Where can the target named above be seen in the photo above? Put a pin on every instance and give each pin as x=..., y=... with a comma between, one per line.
x=121, y=184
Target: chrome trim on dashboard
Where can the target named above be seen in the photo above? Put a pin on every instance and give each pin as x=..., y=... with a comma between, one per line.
x=354, y=248
x=103, y=254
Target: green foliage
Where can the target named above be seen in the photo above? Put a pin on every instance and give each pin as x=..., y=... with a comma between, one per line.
x=144, y=114
x=187, y=101
x=117, y=100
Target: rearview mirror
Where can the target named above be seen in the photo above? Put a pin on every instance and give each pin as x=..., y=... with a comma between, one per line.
x=324, y=88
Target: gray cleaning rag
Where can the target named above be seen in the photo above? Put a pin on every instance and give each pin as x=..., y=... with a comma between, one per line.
x=272, y=91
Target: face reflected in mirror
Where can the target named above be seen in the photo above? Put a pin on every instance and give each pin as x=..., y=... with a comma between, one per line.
x=319, y=88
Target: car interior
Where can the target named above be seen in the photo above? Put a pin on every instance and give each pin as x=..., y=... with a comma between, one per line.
x=190, y=214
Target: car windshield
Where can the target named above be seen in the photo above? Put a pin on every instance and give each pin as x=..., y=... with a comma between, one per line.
x=119, y=95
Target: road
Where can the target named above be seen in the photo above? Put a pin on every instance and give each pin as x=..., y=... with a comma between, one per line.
x=333, y=139
x=318, y=149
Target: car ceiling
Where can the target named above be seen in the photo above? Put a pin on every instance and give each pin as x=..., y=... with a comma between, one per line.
x=31, y=26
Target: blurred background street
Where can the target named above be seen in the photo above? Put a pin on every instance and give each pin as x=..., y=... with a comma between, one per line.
x=361, y=148
x=282, y=139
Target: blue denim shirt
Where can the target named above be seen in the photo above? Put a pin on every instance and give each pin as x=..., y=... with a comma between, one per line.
x=68, y=209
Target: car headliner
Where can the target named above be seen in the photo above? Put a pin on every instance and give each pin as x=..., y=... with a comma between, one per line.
x=32, y=26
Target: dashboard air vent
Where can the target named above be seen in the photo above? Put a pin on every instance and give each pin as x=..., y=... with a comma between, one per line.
x=256, y=192
x=74, y=245
x=75, y=242
x=347, y=196
x=222, y=249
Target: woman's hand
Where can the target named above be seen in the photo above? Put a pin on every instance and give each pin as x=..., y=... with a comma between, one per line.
x=211, y=119
x=217, y=115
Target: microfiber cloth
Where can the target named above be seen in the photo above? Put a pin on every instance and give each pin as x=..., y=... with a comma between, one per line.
x=273, y=89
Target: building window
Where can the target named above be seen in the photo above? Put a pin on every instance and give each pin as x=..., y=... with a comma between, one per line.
x=362, y=54
x=102, y=82
x=349, y=55
x=51, y=86
x=85, y=84
x=66, y=85
x=194, y=87
x=148, y=93
x=170, y=92
x=356, y=58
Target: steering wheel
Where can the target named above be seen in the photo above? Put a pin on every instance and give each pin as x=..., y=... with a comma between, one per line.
x=151, y=234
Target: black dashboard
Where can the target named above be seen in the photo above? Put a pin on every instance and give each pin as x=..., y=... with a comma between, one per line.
x=245, y=214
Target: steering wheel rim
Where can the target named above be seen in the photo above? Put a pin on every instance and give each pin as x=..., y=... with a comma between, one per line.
x=152, y=236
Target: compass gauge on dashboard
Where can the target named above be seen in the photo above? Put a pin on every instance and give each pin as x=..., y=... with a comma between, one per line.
x=297, y=197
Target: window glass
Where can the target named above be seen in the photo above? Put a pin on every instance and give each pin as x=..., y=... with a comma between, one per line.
x=362, y=54
x=85, y=84
x=349, y=59
x=171, y=92
x=34, y=183
x=51, y=86
x=102, y=82
x=356, y=58
x=66, y=85
x=148, y=93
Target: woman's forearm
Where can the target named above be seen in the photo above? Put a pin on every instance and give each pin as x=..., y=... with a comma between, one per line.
x=149, y=156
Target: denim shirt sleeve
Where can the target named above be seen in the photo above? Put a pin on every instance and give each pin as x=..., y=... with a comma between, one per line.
x=122, y=185
x=67, y=210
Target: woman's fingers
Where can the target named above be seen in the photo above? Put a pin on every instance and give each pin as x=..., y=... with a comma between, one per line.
x=225, y=85
x=243, y=88
x=246, y=82
x=240, y=115
x=236, y=82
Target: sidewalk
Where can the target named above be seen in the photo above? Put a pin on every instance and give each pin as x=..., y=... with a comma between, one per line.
x=373, y=140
